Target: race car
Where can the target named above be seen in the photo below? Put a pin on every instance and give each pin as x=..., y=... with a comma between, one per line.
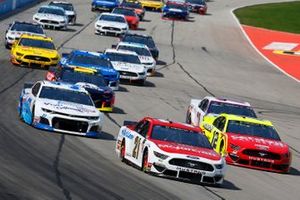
x=200, y=110
x=95, y=84
x=34, y=51
x=143, y=52
x=170, y=149
x=109, y=23
x=248, y=142
x=17, y=28
x=142, y=39
x=130, y=16
x=104, y=5
x=59, y=107
x=94, y=60
x=52, y=17
x=128, y=64
x=136, y=6
x=69, y=9
x=175, y=10
x=197, y=6
x=152, y=4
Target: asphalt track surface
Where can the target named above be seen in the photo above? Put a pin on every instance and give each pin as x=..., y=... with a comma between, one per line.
x=207, y=56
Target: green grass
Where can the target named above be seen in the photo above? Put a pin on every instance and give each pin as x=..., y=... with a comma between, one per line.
x=275, y=16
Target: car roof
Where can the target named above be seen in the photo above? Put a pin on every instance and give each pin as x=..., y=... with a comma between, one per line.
x=62, y=85
x=247, y=119
x=24, y=22
x=225, y=100
x=121, y=51
x=36, y=37
x=169, y=123
x=112, y=14
x=132, y=44
x=137, y=35
x=61, y=2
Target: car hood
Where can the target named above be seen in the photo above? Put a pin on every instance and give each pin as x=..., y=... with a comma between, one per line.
x=174, y=10
x=111, y=24
x=70, y=13
x=17, y=34
x=123, y=66
x=49, y=16
x=93, y=87
x=131, y=18
x=68, y=108
x=103, y=2
x=259, y=143
x=103, y=69
x=188, y=150
x=37, y=51
x=146, y=59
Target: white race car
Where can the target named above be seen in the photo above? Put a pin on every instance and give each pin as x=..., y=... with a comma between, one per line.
x=128, y=64
x=17, y=28
x=61, y=107
x=109, y=23
x=69, y=9
x=201, y=110
x=170, y=149
x=143, y=53
x=51, y=16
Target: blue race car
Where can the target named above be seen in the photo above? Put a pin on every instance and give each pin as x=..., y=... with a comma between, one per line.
x=176, y=10
x=94, y=60
x=104, y=5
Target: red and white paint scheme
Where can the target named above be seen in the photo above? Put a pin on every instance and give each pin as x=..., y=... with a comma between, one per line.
x=170, y=149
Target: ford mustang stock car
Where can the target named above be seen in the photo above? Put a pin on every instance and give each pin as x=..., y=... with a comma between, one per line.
x=94, y=60
x=59, y=107
x=201, y=110
x=102, y=95
x=142, y=39
x=109, y=23
x=143, y=52
x=130, y=16
x=128, y=64
x=17, y=28
x=69, y=9
x=170, y=149
x=198, y=6
x=51, y=16
x=248, y=142
x=152, y=4
x=136, y=6
x=34, y=51
x=104, y=5
x=176, y=10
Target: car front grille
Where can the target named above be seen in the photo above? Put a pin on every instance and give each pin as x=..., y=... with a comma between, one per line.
x=69, y=125
x=49, y=21
x=191, y=164
x=124, y=73
x=261, y=154
x=37, y=58
x=111, y=28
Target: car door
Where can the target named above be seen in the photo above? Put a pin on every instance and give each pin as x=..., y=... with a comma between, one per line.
x=218, y=124
x=138, y=141
x=28, y=103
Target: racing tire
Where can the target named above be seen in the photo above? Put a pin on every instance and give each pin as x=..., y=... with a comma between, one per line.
x=122, y=151
x=145, y=162
x=188, y=119
x=221, y=148
x=7, y=46
x=32, y=116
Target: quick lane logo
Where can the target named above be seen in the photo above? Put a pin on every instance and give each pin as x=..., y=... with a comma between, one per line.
x=127, y=134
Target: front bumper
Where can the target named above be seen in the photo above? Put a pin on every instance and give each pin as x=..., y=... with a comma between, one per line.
x=33, y=61
x=132, y=76
x=51, y=23
x=109, y=30
x=150, y=68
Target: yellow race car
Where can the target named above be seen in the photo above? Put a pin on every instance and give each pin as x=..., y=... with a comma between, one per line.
x=247, y=142
x=34, y=51
x=152, y=4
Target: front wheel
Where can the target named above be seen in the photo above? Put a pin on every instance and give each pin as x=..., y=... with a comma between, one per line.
x=145, y=164
x=122, y=151
x=188, y=118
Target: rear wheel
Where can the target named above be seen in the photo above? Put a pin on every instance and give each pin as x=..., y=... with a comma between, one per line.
x=122, y=151
x=145, y=163
x=188, y=118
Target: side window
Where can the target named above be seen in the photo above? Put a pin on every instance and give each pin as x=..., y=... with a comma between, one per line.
x=219, y=123
x=138, y=127
x=203, y=104
x=35, y=89
x=142, y=128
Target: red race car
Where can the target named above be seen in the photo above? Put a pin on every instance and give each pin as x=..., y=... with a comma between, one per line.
x=136, y=6
x=197, y=6
x=130, y=16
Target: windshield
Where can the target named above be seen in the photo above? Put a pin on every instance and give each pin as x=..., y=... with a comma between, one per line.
x=27, y=28
x=112, y=18
x=126, y=12
x=148, y=41
x=252, y=129
x=65, y=6
x=220, y=107
x=201, y=2
x=36, y=43
x=180, y=136
x=177, y=6
x=76, y=77
x=66, y=95
x=138, y=50
x=132, y=5
x=90, y=60
x=118, y=57
x=53, y=11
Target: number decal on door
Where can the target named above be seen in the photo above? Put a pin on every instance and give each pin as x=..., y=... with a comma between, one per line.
x=215, y=139
x=136, y=149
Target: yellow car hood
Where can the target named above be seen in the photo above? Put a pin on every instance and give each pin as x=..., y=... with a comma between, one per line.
x=37, y=51
x=153, y=3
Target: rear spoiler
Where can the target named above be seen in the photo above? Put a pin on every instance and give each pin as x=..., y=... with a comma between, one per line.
x=129, y=123
x=28, y=85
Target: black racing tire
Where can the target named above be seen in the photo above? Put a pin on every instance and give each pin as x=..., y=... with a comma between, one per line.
x=145, y=162
x=188, y=118
x=122, y=151
x=32, y=115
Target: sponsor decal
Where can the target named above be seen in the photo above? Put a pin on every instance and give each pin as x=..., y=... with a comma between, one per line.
x=126, y=133
x=261, y=147
x=194, y=171
x=187, y=148
x=258, y=141
x=208, y=127
x=261, y=159
x=74, y=107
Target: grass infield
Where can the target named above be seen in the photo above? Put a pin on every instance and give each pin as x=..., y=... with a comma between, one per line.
x=275, y=16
